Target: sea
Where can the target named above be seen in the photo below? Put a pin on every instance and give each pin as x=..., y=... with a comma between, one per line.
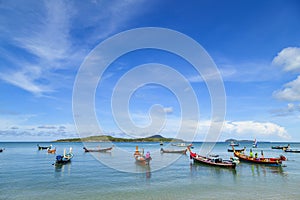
x=29, y=173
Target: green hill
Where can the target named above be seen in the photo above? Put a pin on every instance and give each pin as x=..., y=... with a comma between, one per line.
x=106, y=138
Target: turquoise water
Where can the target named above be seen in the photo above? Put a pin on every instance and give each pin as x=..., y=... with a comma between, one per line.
x=26, y=173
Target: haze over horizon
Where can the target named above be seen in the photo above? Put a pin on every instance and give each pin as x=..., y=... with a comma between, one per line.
x=254, y=44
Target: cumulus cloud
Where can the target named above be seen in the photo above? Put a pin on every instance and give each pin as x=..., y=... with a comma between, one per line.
x=15, y=130
x=254, y=129
x=288, y=59
x=290, y=109
x=290, y=91
x=168, y=110
x=47, y=127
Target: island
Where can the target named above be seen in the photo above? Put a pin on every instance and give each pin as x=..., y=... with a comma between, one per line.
x=108, y=138
x=235, y=140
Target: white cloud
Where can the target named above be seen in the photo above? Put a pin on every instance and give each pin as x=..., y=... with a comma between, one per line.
x=168, y=110
x=225, y=73
x=25, y=79
x=46, y=38
x=36, y=132
x=253, y=129
x=290, y=91
x=290, y=109
x=288, y=59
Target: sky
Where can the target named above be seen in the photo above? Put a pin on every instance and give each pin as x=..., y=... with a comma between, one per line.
x=255, y=46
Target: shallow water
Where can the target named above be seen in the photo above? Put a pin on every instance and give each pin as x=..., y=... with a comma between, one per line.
x=26, y=173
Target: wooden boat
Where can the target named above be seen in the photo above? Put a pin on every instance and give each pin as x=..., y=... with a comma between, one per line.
x=279, y=147
x=53, y=151
x=65, y=158
x=265, y=161
x=214, y=161
x=97, y=149
x=140, y=158
x=291, y=150
x=182, y=151
x=182, y=145
x=45, y=147
x=238, y=150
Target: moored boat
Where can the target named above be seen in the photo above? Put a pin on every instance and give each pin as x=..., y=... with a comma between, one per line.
x=65, y=158
x=262, y=160
x=182, y=145
x=44, y=147
x=97, y=149
x=292, y=150
x=239, y=150
x=279, y=147
x=182, y=151
x=214, y=161
x=53, y=151
x=141, y=158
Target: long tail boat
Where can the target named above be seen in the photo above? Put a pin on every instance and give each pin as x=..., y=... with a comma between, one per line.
x=182, y=151
x=53, y=151
x=97, y=149
x=140, y=158
x=238, y=150
x=292, y=150
x=65, y=158
x=45, y=147
x=214, y=161
x=279, y=147
x=261, y=160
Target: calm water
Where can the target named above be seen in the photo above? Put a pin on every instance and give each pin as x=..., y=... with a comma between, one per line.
x=26, y=173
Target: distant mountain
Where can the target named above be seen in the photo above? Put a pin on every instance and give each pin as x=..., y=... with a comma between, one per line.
x=156, y=136
x=234, y=140
x=107, y=138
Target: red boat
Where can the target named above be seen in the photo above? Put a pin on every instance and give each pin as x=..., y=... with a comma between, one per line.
x=214, y=161
x=265, y=161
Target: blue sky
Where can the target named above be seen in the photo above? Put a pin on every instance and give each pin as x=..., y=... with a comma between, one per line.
x=255, y=45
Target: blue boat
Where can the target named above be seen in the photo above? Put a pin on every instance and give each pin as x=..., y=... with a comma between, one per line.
x=65, y=158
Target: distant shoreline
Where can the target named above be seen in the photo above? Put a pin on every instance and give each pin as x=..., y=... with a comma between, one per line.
x=107, y=138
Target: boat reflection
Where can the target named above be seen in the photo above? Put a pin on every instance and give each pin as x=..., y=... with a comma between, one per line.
x=200, y=168
x=62, y=169
x=263, y=170
x=144, y=170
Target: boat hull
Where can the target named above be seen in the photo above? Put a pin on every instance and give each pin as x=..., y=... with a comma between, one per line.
x=43, y=148
x=201, y=160
x=215, y=162
x=262, y=161
x=97, y=150
x=279, y=147
x=292, y=151
x=142, y=160
x=60, y=160
x=173, y=151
